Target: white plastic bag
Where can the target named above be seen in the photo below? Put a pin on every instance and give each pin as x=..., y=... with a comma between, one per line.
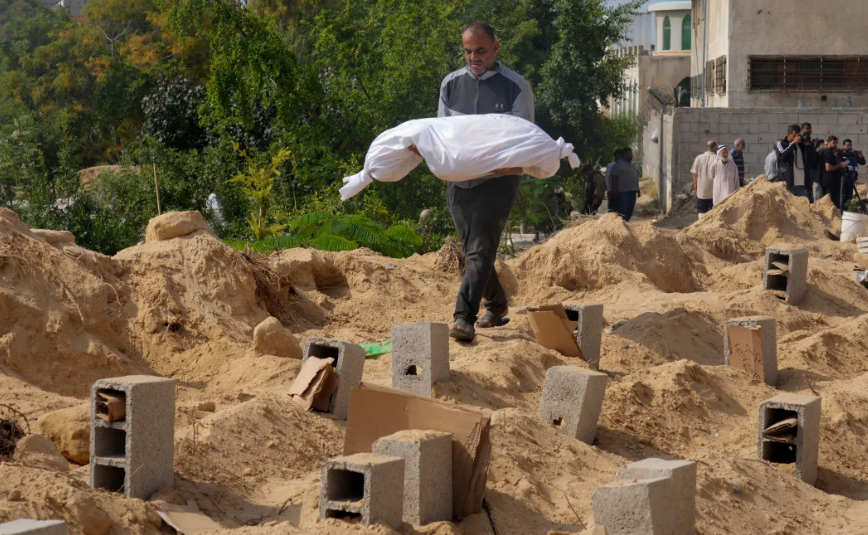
x=462, y=148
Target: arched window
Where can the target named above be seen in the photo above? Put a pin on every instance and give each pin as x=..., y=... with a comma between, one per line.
x=667, y=34
x=685, y=33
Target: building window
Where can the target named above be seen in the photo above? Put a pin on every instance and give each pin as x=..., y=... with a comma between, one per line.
x=720, y=75
x=667, y=34
x=685, y=33
x=809, y=73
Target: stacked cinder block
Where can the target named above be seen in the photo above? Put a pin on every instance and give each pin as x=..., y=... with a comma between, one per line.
x=33, y=527
x=427, y=473
x=572, y=400
x=420, y=356
x=683, y=498
x=364, y=485
x=640, y=507
x=349, y=363
x=769, y=341
x=589, y=334
x=134, y=455
x=790, y=283
x=799, y=445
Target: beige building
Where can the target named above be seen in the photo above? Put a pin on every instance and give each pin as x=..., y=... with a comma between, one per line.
x=779, y=53
x=666, y=67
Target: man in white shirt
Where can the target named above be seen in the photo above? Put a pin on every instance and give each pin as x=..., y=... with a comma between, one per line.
x=703, y=184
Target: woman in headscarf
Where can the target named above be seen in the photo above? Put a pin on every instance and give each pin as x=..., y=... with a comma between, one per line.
x=724, y=174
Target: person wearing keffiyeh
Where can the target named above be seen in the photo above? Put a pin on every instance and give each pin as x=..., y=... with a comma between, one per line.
x=724, y=174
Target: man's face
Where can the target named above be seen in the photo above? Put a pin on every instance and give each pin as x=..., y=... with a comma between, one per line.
x=628, y=156
x=724, y=154
x=791, y=136
x=832, y=144
x=740, y=146
x=848, y=145
x=806, y=131
x=480, y=51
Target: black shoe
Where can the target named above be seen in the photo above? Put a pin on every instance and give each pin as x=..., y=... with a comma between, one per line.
x=462, y=330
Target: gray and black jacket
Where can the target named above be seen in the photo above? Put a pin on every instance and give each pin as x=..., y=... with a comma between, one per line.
x=497, y=91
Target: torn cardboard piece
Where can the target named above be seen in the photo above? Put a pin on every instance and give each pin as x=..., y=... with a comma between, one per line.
x=111, y=407
x=554, y=329
x=746, y=349
x=377, y=411
x=316, y=382
x=186, y=519
x=783, y=431
x=783, y=266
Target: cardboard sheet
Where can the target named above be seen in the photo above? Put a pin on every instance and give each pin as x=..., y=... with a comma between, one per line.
x=746, y=349
x=553, y=329
x=783, y=266
x=315, y=384
x=111, y=407
x=377, y=411
x=783, y=431
x=186, y=519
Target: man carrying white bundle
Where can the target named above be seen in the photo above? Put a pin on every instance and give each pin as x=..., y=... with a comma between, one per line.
x=480, y=208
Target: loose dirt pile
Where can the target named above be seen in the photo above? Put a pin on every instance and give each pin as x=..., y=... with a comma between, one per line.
x=186, y=307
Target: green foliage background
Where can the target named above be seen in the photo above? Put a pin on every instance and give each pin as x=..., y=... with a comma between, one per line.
x=212, y=90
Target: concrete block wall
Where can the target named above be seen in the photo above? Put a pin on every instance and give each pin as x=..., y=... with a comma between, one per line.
x=760, y=128
x=803, y=448
x=365, y=485
x=135, y=455
x=420, y=356
x=349, y=363
x=427, y=473
x=33, y=527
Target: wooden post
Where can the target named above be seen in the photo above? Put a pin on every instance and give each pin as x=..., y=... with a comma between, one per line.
x=157, y=189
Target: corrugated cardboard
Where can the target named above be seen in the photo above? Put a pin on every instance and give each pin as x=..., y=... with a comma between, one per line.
x=315, y=384
x=746, y=349
x=553, y=329
x=111, y=407
x=377, y=411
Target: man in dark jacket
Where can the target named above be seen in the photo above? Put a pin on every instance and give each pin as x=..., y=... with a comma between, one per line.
x=480, y=208
x=854, y=159
x=793, y=164
x=834, y=170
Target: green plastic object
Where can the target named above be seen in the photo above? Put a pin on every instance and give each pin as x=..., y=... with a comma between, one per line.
x=375, y=349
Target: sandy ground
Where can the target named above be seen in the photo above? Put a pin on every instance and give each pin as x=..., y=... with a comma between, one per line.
x=186, y=308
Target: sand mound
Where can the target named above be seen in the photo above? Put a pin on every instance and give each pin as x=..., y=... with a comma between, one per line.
x=175, y=225
x=605, y=252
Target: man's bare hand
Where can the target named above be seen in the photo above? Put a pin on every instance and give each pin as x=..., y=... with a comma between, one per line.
x=508, y=171
x=413, y=149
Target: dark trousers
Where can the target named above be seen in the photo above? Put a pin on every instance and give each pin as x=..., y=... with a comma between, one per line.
x=626, y=204
x=847, y=185
x=801, y=191
x=480, y=214
x=704, y=205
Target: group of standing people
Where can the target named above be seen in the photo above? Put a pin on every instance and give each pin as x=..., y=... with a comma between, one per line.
x=620, y=185
x=813, y=168
x=717, y=174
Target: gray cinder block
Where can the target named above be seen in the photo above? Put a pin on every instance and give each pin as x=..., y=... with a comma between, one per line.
x=589, y=334
x=135, y=455
x=364, y=485
x=420, y=356
x=349, y=362
x=683, y=476
x=794, y=282
x=427, y=473
x=803, y=447
x=572, y=399
x=770, y=344
x=635, y=508
x=33, y=527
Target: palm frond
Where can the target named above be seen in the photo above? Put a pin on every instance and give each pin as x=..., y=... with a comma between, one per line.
x=403, y=235
x=311, y=219
x=330, y=242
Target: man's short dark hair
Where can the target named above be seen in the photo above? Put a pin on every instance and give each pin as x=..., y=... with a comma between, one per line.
x=794, y=128
x=481, y=26
x=626, y=149
x=831, y=138
x=850, y=141
x=806, y=125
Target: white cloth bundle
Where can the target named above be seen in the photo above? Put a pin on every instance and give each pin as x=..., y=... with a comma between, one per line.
x=462, y=148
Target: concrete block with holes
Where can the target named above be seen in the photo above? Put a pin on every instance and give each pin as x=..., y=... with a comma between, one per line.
x=799, y=443
x=640, y=507
x=767, y=369
x=365, y=486
x=572, y=400
x=349, y=362
x=420, y=356
x=589, y=333
x=33, y=527
x=427, y=473
x=683, y=498
x=135, y=455
x=786, y=274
